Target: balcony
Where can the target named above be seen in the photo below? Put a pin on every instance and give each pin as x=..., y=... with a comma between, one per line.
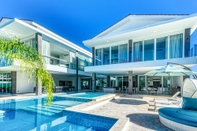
x=50, y=60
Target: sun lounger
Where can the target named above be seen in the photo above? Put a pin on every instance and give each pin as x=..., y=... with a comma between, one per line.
x=177, y=103
x=174, y=97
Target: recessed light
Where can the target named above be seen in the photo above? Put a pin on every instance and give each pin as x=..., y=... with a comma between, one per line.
x=155, y=31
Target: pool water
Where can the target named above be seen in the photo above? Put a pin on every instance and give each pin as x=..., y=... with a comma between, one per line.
x=85, y=95
x=33, y=115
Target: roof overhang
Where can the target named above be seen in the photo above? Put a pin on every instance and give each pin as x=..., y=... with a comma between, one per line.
x=15, y=29
x=151, y=30
x=21, y=29
x=137, y=68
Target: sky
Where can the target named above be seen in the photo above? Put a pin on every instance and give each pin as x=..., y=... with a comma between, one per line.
x=79, y=20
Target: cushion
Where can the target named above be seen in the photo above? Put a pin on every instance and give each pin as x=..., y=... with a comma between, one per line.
x=179, y=115
x=189, y=103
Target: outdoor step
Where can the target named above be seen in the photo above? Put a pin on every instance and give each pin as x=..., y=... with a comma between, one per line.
x=51, y=107
x=151, y=108
x=44, y=109
x=39, y=111
x=151, y=103
x=61, y=106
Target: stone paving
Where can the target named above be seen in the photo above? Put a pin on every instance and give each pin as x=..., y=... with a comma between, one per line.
x=140, y=119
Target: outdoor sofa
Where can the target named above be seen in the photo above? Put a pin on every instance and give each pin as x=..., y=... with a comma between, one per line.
x=181, y=119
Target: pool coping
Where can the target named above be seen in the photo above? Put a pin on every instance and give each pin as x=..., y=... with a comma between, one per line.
x=120, y=125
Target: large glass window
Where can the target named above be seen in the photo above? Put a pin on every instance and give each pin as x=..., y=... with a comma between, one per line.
x=98, y=57
x=114, y=55
x=176, y=46
x=162, y=48
x=106, y=56
x=123, y=53
x=137, y=51
x=5, y=82
x=148, y=50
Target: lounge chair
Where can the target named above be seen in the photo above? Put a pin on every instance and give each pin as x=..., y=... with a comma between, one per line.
x=177, y=104
x=173, y=98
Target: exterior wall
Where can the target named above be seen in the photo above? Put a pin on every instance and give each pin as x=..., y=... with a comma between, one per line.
x=24, y=85
x=177, y=81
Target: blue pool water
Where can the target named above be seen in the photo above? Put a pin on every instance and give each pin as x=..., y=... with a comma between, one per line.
x=85, y=95
x=33, y=115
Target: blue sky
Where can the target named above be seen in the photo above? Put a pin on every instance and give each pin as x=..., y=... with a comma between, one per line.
x=78, y=20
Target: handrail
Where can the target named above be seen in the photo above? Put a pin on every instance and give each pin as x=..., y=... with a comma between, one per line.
x=55, y=58
x=185, y=67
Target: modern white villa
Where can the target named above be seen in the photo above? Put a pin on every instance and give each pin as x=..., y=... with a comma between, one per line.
x=140, y=43
x=59, y=55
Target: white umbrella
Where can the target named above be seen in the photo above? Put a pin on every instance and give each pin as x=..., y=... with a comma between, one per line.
x=170, y=70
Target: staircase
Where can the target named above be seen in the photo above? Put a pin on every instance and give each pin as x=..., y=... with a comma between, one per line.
x=46, y=110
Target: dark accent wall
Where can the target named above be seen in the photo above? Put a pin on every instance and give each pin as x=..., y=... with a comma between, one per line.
x=13, y=82
x=76, y=88
x=187, y=42
x=108, y=81
x=93, y=56
x=130, y=50
x=39, y=42
x=93, y=82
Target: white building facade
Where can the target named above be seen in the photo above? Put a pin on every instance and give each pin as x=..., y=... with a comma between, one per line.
x=141, y=43
x=58, y=53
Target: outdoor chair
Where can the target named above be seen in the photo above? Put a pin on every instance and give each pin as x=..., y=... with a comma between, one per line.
x=173, y=98
x=177, y=104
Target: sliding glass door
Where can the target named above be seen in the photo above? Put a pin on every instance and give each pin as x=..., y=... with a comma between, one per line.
x=176, y=46
x=162, y=48
x=149, y=50
x=137, y=51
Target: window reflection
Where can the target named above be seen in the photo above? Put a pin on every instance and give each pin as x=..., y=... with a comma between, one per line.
x=148, y=50
x=114, y=55
x=105, y=56
x=162, y=48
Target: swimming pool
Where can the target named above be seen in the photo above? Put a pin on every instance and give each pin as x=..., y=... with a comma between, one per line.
x=33, y=115
x=84, y=95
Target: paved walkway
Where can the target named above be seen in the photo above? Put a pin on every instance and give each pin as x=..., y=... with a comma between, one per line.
x=140, y=119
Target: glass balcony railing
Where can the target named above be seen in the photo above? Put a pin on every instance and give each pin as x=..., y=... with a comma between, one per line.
x=62, y=63
x=5, y=62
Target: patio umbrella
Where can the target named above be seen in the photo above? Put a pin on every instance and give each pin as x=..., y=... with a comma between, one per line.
x=170, y=70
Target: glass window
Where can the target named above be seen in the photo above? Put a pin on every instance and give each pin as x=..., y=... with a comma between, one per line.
x=137, y=51
x=123, y=53
x=176, y=46
x=106, y=56
x=114, y=55
x=98, y=57
x=148, y=50
x=162, y=48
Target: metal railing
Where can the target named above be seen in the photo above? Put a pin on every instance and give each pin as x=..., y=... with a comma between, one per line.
x=62, y=63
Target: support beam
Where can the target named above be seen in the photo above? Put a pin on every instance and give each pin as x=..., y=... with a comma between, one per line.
x=108, y=81
x=76, y=54
x=39, y=88
x=130, y=81
x=93, y=56
x=39, y=48
x=13, y=82
x=93, y=82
